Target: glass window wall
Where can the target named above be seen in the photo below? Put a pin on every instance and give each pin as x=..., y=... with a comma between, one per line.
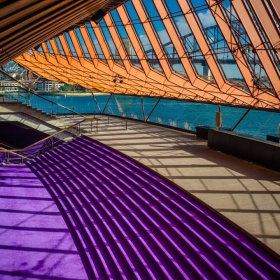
x=218, y=44
x=95, y=43
x=194, y=53
x=131, y=54
x=50, y=49
x=260, y=77
x=151, y=56
x=167, y=45
x=70, y=45
x=82, y=43
x=59, y=46
x=109, y=40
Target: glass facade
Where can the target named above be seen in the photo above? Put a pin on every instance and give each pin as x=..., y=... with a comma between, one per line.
x=70, y=45
x=82, y=43
x=217, y=52
x=150, y=55
x=95, y=42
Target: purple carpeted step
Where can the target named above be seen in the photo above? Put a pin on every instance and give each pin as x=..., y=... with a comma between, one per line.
x=79, y=191
x=82, y=201
x=83, y=188
x=115, y=179
x=85, y=245
x=239, y=244
x=172, y=218
x=159, y=254
x=175, y=236
x=89, y=154
x=230, y=229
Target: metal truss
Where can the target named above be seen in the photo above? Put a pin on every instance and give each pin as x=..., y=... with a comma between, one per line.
x=235, y=60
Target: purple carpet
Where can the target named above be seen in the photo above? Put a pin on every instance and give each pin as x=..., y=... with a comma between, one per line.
x=35, y=242
x=129, y=223
x=126, y=223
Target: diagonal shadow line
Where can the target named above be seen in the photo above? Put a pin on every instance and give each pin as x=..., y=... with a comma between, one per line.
x=180, y=166
x=163, y=157
x=114, y=130
x=135, y=136
x=50, y=254
x=41, y=250
x=233, y=192
x=142, y=150
x=34, y=229
x=15, y=176
x=58, y=261
x=26, y=198
x=156, y=145
x=204, y=177
x=22, y=273
x=30, y=212
x=30, y=217
x=21, y=186
x=248, y=211
x=267, y=236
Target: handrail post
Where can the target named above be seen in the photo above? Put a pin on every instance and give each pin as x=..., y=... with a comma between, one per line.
x=28, y=97
x=126, y=124
x=52, y=142
x=143, y=108
x=8, y=157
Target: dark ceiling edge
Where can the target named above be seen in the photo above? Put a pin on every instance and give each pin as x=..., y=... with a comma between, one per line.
x=7, y=55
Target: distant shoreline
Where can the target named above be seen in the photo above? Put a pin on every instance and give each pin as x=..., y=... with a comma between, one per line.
x=72, y=93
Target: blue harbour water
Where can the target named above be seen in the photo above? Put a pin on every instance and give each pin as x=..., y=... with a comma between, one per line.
x=181, y=114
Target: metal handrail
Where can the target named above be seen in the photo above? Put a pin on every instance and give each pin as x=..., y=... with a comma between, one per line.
x=17, y=151
x=10, y=151
x=49, y=137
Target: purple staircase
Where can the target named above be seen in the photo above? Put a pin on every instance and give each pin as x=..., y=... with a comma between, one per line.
x=129, y=223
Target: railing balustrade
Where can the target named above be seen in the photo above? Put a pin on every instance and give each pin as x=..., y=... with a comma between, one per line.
x=41, y=147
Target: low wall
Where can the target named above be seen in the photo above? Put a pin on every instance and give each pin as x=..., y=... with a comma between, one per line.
x=257, y=151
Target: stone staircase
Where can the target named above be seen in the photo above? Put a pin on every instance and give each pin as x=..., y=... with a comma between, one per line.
x=11, y=108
